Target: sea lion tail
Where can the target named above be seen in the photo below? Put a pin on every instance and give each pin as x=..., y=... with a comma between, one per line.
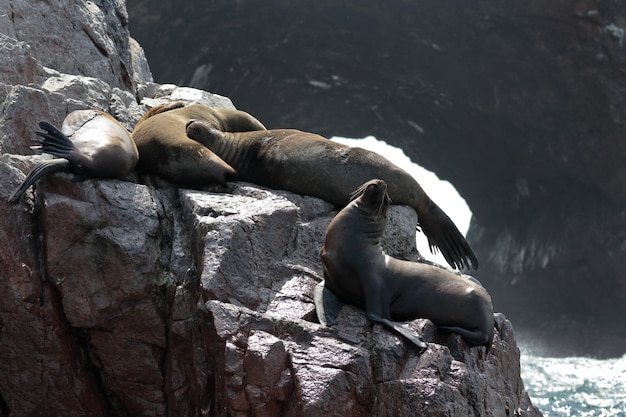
x=42, y=169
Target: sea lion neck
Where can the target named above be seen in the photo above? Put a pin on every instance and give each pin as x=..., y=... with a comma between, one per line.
x=374, y=220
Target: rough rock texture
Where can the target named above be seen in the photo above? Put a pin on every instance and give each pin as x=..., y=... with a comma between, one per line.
x=520, y=105
x=125, y=299
x=91, y=40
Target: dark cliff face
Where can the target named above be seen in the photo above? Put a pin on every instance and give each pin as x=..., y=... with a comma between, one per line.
x=520, y=106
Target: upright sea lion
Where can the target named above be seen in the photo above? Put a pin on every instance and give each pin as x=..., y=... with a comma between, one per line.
x=358, y=272
x=167, y=152
x=310, y=164
x=90, y=144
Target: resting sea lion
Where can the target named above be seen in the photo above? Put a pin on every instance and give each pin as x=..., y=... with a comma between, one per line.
x=358, y=272
x=310, y=164
x=166, y=151
x=90, y=144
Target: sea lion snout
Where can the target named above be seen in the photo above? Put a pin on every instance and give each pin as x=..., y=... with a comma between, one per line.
x=376, y=192
x=373, y=193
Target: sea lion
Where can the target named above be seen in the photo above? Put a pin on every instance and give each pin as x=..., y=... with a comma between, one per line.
x=167, y=152
x=90, y=144
x=310, y=164
x=357, y=271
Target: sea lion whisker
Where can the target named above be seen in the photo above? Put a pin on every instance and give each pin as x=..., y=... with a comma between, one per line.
x=358, y=192
x=381, y=210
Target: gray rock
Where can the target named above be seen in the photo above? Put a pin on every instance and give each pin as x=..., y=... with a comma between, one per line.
x=94, y=34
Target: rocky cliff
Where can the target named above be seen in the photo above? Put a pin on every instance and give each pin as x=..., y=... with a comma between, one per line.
x=120, y=298
x=520, y=105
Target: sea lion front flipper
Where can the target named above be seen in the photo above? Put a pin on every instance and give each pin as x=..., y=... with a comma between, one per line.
x=44, y=168
x=327, y=305
x=400, y=329
x=443, y=234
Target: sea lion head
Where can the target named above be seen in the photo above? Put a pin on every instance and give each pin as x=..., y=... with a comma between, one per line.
x=203, y=132
x=373, y=197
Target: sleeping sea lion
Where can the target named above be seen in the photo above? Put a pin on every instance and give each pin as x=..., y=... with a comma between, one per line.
x=90, y=144
x=310, y=164
x=167, y=152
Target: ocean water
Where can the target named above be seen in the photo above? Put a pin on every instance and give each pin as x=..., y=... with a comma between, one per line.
x=559, y=387
x=576, y=386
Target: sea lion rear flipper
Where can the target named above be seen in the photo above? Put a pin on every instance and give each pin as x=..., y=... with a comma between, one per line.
x=44, y=168
x=54, y=141
x=443, y=234
x=476, y=337
x=327, y=305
